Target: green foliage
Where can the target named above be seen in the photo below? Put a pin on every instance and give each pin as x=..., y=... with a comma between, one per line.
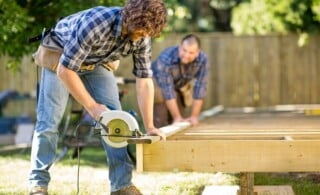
x=222, y=4
x=46, y=12
x=31, y=16
x=316, y=9
x=14, y=21
x=178, y=17
x=22, y=19
x=277, y=16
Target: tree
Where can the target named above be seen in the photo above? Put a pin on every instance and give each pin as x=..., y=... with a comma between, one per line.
x=316, y=9
x=277, y=16
x=14, y=21
x=22, y=19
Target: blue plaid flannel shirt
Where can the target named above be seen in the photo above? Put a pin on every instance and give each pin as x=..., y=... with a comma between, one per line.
x=93, y=36
x=167, y=73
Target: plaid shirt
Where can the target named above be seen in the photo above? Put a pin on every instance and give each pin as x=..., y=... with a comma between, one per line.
x=166, y=71
x=93, y=36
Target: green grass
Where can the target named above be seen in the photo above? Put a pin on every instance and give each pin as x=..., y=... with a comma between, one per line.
x=93, y=177
x=302, y=183
x=89, y=156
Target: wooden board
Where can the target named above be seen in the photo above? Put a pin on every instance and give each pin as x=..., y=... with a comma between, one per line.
x=232, y=156
x=239, y=142
x=145, y=139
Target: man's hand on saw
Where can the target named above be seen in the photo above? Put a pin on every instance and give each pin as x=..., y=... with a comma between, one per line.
x=96, y=111
x=155, y=131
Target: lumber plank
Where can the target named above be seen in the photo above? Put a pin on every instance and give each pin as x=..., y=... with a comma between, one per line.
x=146, y=139
x=179, y=126
x=232, y=156
x=139, y=157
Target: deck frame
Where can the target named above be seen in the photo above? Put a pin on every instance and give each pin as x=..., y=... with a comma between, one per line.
x=244, y=151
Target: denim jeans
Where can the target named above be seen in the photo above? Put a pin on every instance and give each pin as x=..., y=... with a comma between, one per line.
x=52, y=101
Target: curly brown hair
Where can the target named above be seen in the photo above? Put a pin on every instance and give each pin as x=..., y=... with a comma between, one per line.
x=147, y=15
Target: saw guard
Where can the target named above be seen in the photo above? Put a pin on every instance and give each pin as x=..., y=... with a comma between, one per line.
x=108, y=119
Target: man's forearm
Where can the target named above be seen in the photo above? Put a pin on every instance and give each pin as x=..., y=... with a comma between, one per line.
x=75, y=86
x=196, y=107
x=173, y=109
x=145, y=96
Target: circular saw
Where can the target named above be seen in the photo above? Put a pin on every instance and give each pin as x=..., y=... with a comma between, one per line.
x=117, y=127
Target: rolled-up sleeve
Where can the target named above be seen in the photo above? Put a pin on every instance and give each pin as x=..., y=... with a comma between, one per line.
x=142, y=59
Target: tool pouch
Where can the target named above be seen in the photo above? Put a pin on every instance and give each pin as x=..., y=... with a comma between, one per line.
x=48, y=53
x=112, y=66
x=186, y=92
x=158, y=97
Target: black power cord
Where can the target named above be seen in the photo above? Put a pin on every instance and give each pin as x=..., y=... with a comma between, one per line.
x=78, y=151
x=97, y=125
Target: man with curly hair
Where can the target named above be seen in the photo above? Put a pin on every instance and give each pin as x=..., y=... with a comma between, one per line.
x=91, y=41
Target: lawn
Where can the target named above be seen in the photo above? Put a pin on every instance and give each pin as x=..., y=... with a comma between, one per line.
x=93, y=177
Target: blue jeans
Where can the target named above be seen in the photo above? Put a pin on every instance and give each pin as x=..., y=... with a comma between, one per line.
x=52, y=101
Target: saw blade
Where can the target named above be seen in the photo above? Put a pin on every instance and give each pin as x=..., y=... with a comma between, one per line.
x=118, y=131
x=118, y=127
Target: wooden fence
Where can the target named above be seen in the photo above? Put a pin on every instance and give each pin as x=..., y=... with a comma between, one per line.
x=253, y=71
x=264, y=70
